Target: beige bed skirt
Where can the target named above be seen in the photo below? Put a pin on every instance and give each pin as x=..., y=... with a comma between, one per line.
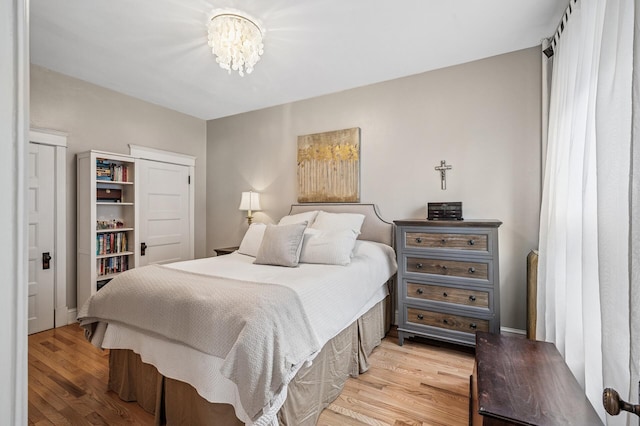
x=176, y=403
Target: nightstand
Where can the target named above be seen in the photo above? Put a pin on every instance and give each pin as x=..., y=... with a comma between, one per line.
x=225, y=250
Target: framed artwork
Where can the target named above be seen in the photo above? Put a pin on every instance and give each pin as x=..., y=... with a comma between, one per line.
x=329, y=167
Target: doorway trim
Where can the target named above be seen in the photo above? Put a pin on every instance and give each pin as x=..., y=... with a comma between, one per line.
x=146, y=153
x=58, y=140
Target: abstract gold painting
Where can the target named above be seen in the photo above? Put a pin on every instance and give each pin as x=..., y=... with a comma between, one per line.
x=329, y=167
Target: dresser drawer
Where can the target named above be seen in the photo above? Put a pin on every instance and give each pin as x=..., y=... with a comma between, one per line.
x=452, y=241
x=454, y=268
x=456, y=296
x=446, y=321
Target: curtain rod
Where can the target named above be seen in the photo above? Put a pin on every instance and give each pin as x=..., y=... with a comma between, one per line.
x=563, y=22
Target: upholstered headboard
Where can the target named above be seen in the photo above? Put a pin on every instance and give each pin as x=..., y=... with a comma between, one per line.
x=374, y=227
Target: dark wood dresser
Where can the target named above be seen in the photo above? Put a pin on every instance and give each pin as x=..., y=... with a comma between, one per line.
x=225, y=250
x=517, y=381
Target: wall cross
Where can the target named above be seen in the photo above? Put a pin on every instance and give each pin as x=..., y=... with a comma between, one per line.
x=442, y=168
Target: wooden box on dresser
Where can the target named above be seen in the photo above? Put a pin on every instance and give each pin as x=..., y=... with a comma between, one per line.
x=448, y=279
x=107, y=229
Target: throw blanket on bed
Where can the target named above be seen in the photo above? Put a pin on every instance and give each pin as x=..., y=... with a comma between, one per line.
x=260, y=330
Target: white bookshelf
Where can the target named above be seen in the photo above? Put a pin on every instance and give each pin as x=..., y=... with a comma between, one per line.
x=107, y=220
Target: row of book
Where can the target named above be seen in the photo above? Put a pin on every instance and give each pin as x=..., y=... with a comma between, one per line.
x=110, y=171
x=113, y=242
x=112, y=265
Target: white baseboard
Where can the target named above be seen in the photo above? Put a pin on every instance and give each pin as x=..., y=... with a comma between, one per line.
x=60, y=315
x=72, y=315
x=513, y=330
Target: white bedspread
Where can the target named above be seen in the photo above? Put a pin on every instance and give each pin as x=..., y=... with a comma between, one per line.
x=332, y=297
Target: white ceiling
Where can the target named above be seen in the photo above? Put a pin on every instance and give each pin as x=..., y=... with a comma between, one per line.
x=157, y=50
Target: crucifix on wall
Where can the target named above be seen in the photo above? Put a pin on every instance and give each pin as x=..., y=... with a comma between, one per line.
x=442, y=168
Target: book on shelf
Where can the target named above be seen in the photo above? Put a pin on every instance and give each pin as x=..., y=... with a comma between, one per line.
x=109, y=171
x=103, y=169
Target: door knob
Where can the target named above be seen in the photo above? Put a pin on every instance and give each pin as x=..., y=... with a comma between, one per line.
x=613, y=404
x=46, y=260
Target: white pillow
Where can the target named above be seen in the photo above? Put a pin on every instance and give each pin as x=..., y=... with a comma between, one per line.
x=281, y=245
x=308, y=217
x=252, y=239
x=338, y=221
x=328, y=247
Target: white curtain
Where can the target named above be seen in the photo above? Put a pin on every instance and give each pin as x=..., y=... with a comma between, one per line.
x=634, y=300
x=585, y=245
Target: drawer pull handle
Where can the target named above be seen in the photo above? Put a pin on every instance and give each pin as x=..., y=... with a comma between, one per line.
x=472, y=270
x=471, y=242
x=472, y=298
x=444, y=294
x=419, y=265
x=445, y=321
x=473, y=325
x=418, y=240
x=420, y=316
x=444, y=267
x=443, y=241
x=419, y=291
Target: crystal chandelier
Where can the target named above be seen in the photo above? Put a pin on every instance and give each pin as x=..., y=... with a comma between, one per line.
x=235, y=39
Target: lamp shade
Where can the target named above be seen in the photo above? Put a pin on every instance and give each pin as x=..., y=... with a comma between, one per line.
x=250, y=201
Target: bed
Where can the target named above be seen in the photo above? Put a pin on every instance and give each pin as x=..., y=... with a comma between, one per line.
x=236, y=340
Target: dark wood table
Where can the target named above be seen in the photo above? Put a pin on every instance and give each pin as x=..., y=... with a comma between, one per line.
x=225, y=250
x=517, y=381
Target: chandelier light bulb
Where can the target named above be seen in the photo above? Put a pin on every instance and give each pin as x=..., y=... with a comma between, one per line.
x=235, y=39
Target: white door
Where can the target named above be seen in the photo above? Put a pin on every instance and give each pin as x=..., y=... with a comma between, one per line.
x=41, y=237
x=164, y=212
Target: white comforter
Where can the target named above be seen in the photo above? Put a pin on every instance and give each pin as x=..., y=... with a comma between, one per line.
x=332, y=297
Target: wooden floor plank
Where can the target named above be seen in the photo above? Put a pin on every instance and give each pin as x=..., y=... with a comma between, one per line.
x=71, y=376
x=337, y=414
x=416, y=384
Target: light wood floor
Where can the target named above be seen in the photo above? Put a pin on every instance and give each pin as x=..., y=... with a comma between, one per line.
x=414, y=384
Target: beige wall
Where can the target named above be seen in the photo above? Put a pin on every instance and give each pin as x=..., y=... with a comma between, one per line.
x=98, y=118
x=482, y=117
